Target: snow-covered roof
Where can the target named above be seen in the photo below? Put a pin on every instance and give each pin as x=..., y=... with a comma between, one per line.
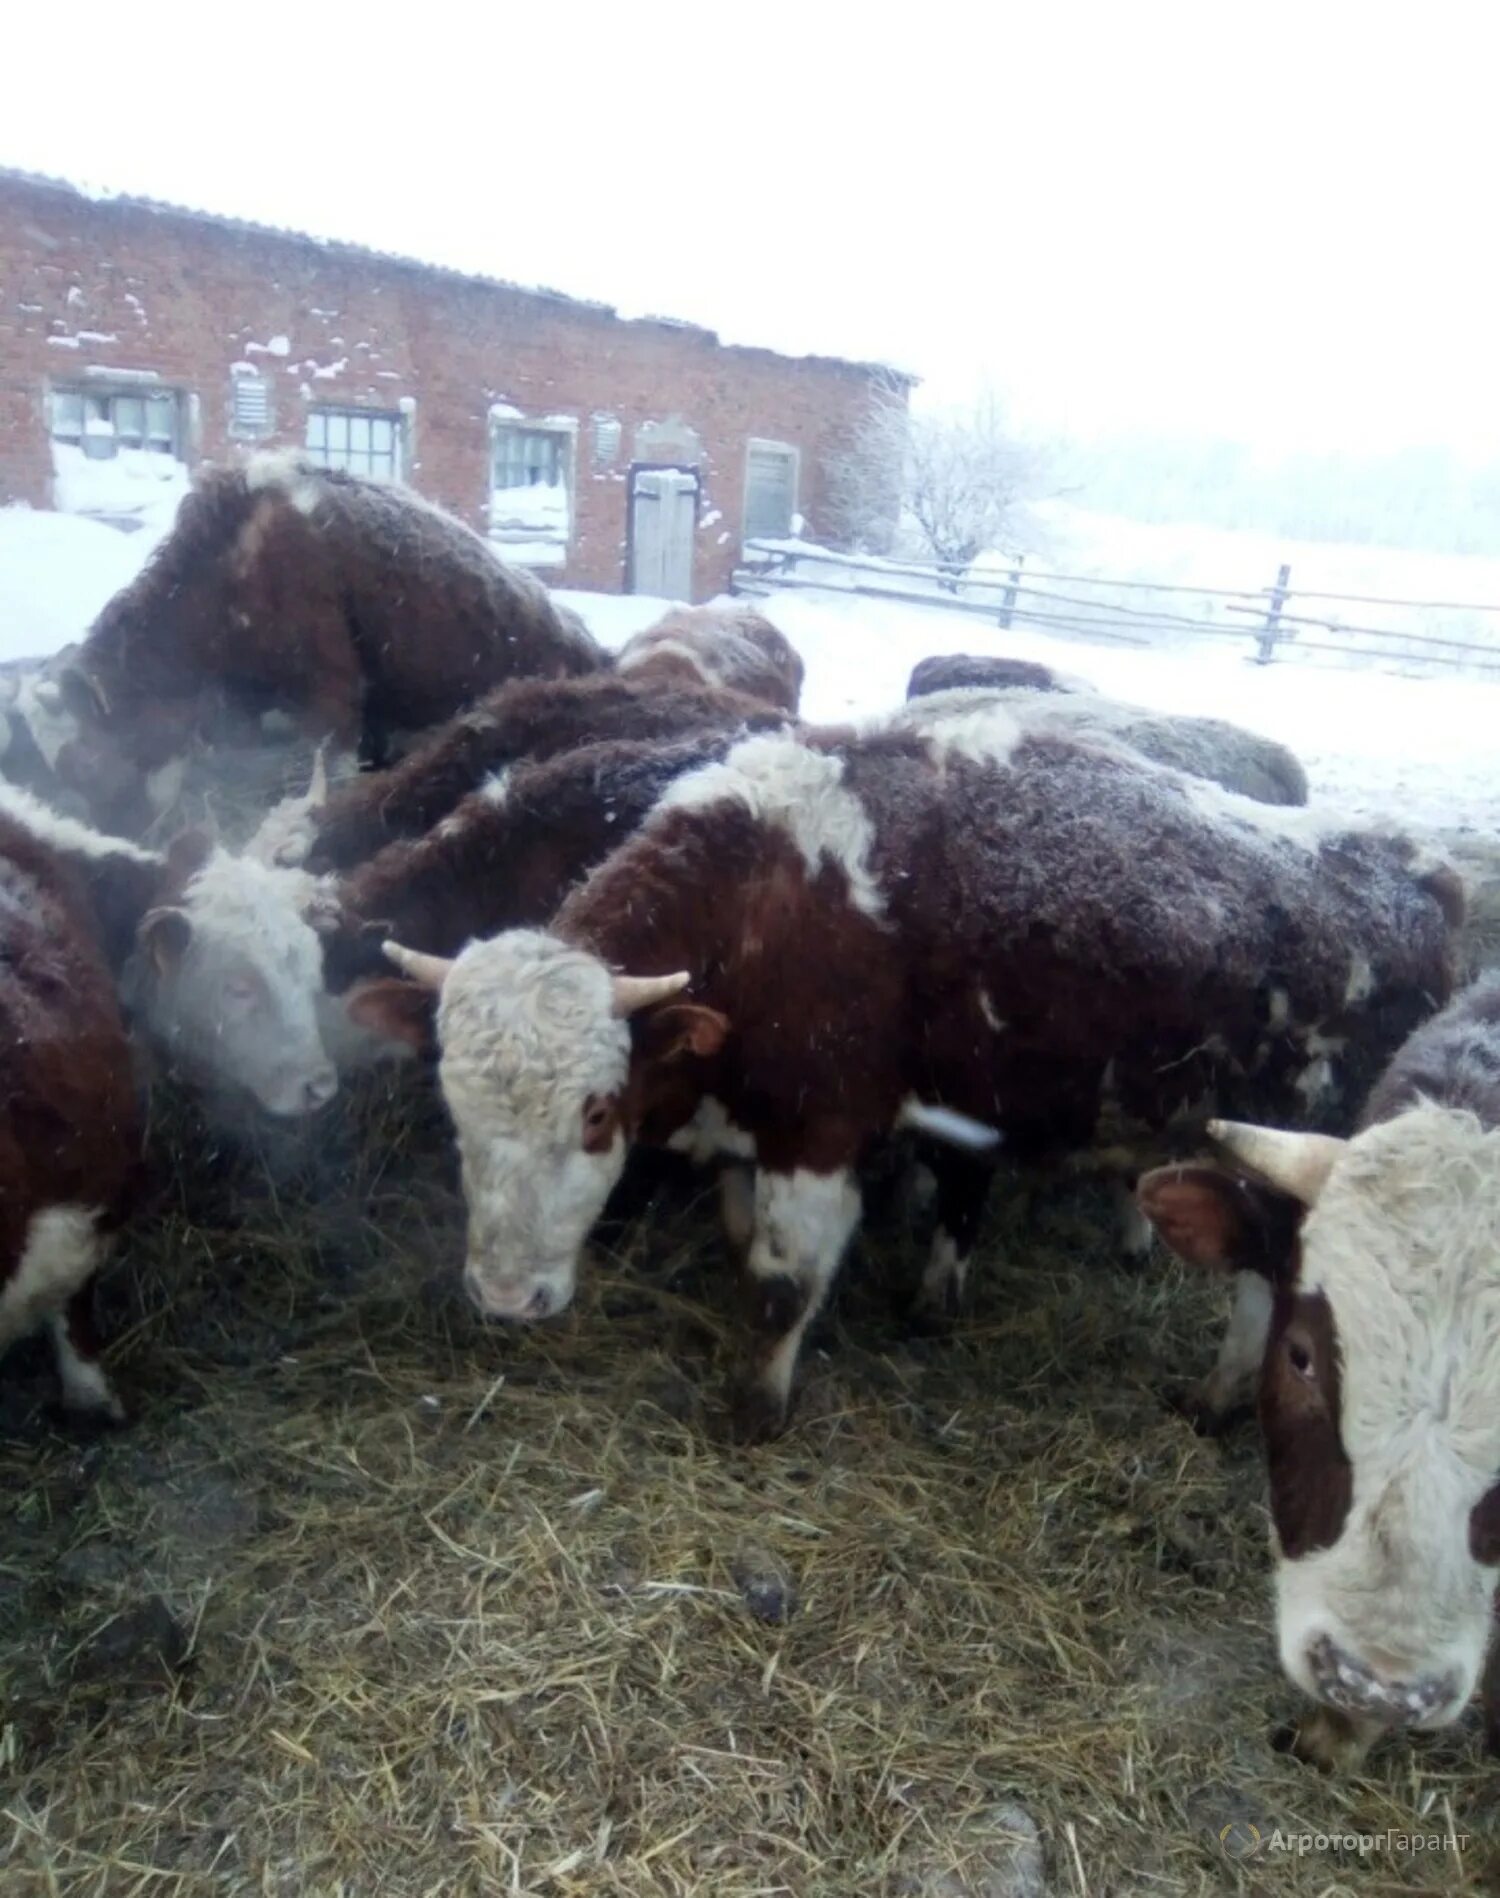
x=340, y=247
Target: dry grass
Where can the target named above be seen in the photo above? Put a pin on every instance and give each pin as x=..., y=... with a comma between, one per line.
x=455, y=1611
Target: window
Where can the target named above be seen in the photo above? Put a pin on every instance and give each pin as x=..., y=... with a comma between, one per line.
x=249, y=408
x=530, y=508
x=102, y=422
x=119, y=453
x=606, y=442
x=361, y=441
x=527, y=458
x=770, y=491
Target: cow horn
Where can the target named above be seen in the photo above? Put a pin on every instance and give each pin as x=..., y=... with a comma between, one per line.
x=431, y=971
x=316, y=795
x=1298, y=1163
x=632, y=992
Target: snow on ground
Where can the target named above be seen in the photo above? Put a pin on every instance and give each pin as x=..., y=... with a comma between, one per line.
x=56, y=571
x=134, y=488
x=614, y=617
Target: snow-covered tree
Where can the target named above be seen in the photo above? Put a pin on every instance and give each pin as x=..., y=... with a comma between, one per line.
x=965, y=481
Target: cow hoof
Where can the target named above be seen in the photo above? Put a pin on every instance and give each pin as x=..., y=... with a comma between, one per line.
x=756, y=1416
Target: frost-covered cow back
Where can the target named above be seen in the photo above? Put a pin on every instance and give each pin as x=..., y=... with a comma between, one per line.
x=352, y=607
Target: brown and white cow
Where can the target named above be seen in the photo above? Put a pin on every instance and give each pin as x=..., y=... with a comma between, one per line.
x=1038, y=932
x=353, y=608
x=212, y=955
x=728, y=644
x=655, y=698
x=69, y=1127
x=507, y=856
x=1378, y=1361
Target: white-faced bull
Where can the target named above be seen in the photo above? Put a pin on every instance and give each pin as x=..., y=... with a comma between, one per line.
x=212, y=954
x=1379, y=1379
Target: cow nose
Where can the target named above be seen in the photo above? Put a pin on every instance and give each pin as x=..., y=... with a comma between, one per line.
x=506, y=1301
x=320, y=1090
x=1356, y=1685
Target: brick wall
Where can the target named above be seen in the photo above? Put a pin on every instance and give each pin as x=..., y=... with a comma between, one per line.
x=116, y=284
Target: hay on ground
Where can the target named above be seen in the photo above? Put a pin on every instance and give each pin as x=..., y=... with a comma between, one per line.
x=371, y=1599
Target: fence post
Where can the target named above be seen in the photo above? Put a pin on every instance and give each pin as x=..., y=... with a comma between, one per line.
x=1269, y=632
x=1012, y=586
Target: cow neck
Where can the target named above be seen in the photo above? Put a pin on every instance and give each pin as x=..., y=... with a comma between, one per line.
x=665, y=901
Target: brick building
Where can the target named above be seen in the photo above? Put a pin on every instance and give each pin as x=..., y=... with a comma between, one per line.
x=138, y=339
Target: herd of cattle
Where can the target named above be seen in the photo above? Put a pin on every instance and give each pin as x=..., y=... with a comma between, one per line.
x=635, y=901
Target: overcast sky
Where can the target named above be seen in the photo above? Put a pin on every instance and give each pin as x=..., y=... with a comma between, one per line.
x=1273, y=222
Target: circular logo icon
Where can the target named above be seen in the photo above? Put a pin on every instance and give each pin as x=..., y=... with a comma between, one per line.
x=1240, y=1838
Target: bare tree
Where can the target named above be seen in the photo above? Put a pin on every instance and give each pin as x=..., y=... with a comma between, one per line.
x=964, y=483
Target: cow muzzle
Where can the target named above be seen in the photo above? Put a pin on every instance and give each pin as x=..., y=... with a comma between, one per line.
x=1355, y=1686
x=515, y=1301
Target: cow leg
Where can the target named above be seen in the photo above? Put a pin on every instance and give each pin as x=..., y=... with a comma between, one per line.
x=803, y=1222
x=1489, y=1688
x=87, y=1391
x=737, y=1211
x=1231, y=1384
x=963, y=1187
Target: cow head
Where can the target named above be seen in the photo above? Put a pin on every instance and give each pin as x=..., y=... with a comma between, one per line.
x=1379, y=1396
x=546, y=1059
x=228, y=976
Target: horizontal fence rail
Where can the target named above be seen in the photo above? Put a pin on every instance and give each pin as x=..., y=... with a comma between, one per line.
x=1060, y=602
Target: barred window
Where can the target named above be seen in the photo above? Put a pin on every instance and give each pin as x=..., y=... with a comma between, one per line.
x=249, y=408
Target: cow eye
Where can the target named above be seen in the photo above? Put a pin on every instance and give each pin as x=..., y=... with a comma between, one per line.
x=1301, y=1359
x=239, y=988
x=596, y=1115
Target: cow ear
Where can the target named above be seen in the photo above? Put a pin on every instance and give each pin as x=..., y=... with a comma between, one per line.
x=1213, y=1218
x=165, y=934
x=684, y=1028
x=395, y=1009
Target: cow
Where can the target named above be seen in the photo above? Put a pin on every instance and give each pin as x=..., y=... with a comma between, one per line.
x=1041, y=932
x=506, y=856
x=960, y=671
x=1376, y=1348
x=70, y=1130
x=213, y=956
x=352, y=607
x=1210, y=748
x=728, y=644
x=653, y=694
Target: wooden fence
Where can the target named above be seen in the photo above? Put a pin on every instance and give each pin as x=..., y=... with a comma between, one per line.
x=1145, y=612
